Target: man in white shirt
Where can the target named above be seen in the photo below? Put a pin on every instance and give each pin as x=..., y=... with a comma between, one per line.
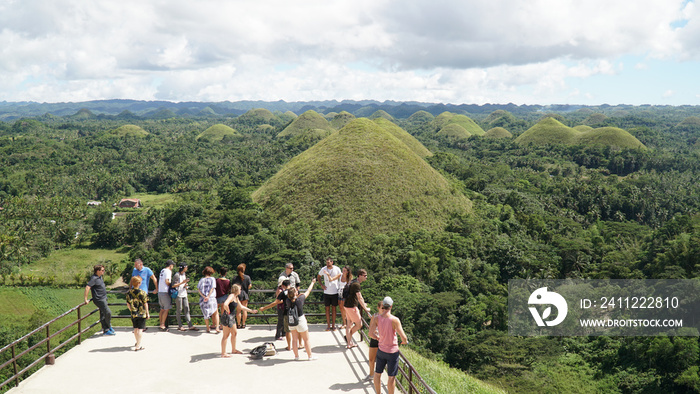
x=164, y=298
x=330, y=275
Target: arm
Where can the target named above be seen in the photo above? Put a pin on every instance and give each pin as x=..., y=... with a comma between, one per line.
x=311, y=286
x=270, y=305
x=361, y=301
x=373, y=328
x=333, y=278
x=319, y=278
x=87, y=291
x=228, y=301
x=155, y=282
x=396, y=323
x=148, y=312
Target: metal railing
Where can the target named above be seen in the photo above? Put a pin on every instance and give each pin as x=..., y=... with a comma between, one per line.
x=408, y=381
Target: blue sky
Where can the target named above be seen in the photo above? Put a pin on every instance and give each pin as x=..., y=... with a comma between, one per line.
x=450, y=51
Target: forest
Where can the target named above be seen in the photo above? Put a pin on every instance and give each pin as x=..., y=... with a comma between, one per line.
x=538, y=211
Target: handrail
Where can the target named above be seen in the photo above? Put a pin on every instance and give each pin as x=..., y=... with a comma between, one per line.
x=407, y=372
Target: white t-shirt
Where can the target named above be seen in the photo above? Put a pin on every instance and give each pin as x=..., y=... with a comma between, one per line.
x=165, y=275
x=331, y=286
x=182, y=289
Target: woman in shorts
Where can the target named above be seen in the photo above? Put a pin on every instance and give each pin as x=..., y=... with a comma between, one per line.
x=228, y=320
x=353, y=313
x=345, y=278
x=245, y=283
x=301, y=330
x=223, y=288
x=137, y=302
x=373, y=343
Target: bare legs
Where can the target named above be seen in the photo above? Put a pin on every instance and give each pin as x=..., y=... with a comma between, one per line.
x=296, y=337
x=233, y=332
x=215, y=322
x=138, y=334
x=372, y=360
x=343, y=317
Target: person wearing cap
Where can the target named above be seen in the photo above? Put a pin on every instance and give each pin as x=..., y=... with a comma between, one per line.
x=384, y=328
x=182, y=305
x=164, y=299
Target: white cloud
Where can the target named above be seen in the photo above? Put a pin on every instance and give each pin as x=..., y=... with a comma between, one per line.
x=440, y=50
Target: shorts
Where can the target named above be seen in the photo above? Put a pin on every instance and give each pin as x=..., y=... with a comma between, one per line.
x=165, y=301
x=228, y=319
x=353, y=315
x=286, y=324
x=138, y=322
x=243, y=296
x=373, y=343
x=330, y=299
x=302, y=326
x=390, y=360
x=220, y=300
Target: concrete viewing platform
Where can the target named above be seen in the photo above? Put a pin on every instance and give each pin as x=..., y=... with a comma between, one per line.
x=189, y=362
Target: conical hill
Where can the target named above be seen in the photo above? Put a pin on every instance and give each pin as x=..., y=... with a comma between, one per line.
x=341, y=119
x=548, y=131
x=447, y=118
x=609, y=136
x=454, y=131
x=217, y=133
x=361, y=177
x=129, y=130
x=404, y=137
x=498, y=132
x=309, y=120
x=257, y=116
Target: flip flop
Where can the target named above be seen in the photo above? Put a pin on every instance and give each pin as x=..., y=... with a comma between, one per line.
x=139, y=348
x=236, y=352
x=225, y=355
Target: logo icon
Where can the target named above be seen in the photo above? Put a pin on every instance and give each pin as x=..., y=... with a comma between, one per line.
x=543, y=297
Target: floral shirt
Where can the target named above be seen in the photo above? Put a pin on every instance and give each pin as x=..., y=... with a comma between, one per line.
x=137, y=299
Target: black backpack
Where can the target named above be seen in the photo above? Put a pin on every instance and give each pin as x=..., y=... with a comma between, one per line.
x=266, y=349
x=292, y=314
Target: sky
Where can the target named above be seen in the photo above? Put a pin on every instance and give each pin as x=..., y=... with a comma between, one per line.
x=587, y=52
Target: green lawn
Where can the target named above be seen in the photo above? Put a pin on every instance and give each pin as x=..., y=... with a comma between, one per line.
x=65, y=263
x=150, y=200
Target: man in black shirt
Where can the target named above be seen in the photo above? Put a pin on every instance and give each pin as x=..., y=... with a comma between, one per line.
x=96, y=285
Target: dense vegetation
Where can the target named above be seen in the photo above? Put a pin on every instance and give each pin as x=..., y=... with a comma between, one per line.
x=538, y=211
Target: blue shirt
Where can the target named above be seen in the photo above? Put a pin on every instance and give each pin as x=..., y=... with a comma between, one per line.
x=145, y=275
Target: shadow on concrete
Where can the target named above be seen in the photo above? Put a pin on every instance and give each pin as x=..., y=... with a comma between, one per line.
x=113, y=349
x=201, y=357
x=366, y=385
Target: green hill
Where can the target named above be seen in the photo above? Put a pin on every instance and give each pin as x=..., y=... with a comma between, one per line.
x=692, y=121
x=446, y=118
x=420, y=117
x=548, y=131
x=257, y=116
x=217, y=133
x=454, y=131
x=582, y=128
x=340, y=120
x=595, y=119
x=364, y=178
x=381, y=114
x=609, y=136
x=129, y=130
x=498, y=132
x=309, y=120
x=404, y=137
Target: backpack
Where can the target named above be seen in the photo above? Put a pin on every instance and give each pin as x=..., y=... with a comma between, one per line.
x=293, y=315
x=173, y=292
x=266, y=349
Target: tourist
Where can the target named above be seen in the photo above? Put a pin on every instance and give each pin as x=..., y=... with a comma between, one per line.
x=345, y=278
x=96, y=286
x=279, y=302
x=330, y=275
x=137, y=302
x=228, y=320
x=245, y=283
x=289, y=274
x=295, y=305
x=145, y=274
x=164, y=299
x=182, y=304
x=384, y=329
x=373, y=344
x=353, y=313
x=207, y=300
x=223, y=288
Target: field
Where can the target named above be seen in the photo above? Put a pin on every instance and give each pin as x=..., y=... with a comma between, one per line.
x=65, y=264
x=152, y=200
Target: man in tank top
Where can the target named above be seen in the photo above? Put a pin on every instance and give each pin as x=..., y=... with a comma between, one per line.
x=384, y=328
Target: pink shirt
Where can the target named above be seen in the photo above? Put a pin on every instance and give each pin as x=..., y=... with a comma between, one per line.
x=388, y=343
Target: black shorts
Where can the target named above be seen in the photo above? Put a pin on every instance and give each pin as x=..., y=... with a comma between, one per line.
x=388, y=360
x=138, y=322
x=330, y=299
x=373, y=342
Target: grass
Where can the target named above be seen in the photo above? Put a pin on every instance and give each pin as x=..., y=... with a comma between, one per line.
x=551, y=131
x=421, y=117
x=129, y=130
x=150, y=200
x=454, y=131
x=403, y=135
x=309, y=120
x=498, y=132
x=548, y=131
x=363, y=178
x=340, y=120
x=381, y=114
x=64, y=264
x=447, y=118
x=446, y=380
x=257, y=116
x=609, y=136
x=217, y=133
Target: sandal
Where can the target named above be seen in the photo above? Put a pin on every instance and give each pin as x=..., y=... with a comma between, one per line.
x=139, y=348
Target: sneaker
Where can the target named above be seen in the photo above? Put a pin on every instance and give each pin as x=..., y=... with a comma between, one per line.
x=110, y=332
x=312, y=358
x=296, y=358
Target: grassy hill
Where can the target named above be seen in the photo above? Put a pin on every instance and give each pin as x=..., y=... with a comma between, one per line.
x=454, y=131
x=420, y=117
x=341, y=119
x=609, y=136
x=498, y=132
x=361, y=177
x=381, y=114
x=217, y=133
x=548, y=131
x=257, y=116
x=309, y=120
x=129, y=130
x=447, y=118
x=404, y=137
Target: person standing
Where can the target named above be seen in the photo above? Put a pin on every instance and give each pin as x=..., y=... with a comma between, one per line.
x=164, y=299
x=295, y=304
x=228, y=320
x=279, y=302
x=373, y=344
x=182, y=304
x=344, y=280
x=223, y=288
x=137, y=302
x=384, y=328
x=145, y=274
x=330, y=275
x=289, y=274
x=207, y=300
x=245, y=283
x=352, y=312
x=96, y=286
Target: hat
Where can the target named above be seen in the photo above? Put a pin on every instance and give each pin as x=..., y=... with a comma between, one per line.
x=169, y=263
x=387, y=302
x=182, y=264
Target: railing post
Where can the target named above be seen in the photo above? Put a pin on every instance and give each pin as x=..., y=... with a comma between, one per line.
x=80, y=329
x=14, y=365
x=410, y=380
